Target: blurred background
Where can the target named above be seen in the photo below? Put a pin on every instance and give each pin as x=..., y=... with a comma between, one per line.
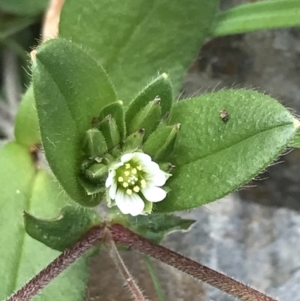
x=252, y=235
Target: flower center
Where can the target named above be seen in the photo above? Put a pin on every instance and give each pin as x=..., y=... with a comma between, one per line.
x=130, y=177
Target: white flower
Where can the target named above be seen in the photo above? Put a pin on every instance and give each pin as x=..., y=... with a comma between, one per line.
x=134, y=178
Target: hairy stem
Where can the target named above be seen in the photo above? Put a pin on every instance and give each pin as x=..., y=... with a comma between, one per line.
x=119, y=263
x=70, y=255
x=230, y=286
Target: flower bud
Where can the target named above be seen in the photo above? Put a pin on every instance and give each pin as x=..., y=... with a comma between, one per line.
x=109, y=129
x=134, y=141
x=116, y=111
x=161, y=143
x=94, y=144
x=147, y=118
x=96, y=172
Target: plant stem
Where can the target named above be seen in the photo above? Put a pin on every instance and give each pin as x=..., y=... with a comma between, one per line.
x=155, y=279
x=58, y=265
x=230, y=286
x=119, y=263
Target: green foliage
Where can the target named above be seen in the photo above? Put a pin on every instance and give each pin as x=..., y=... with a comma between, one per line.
x=23, y=7
x=259, y=15
x=213, y=157
x=26, y=125
x=63, y=231
x=135, y=39
x=154, y=226
x=70, y=90
x=25, y=188
x=296, y=142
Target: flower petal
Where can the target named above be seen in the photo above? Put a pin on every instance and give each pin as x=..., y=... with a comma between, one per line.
x=158, y=179
x=110, y=178
x=113, y=190
x=125, y=158
x=142, y=158
x=154, y=194
x=132, y=204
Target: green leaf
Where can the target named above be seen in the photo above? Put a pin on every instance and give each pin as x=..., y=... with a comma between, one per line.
x=153, y=226
x=135, y=39
x=259, y=15
x=63, y=231
x=212, y=157
x=24, y=188
x=26, y=126
x=23, y=7
x=70, y=90
x=296, y=141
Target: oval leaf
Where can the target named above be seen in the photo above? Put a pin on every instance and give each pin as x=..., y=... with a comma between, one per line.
x=153, y=226
x=62, y=232
x=27, y=130
x=24, y=188
x=214, y=155
x=70, y=90
x=135, y=39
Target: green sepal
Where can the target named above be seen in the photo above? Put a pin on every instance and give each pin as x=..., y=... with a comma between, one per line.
x=110, y=131
x=159, y=88
x=96, y=190
x=117, y=113
x=94, y=144
x=153, y=226
x=161, y=143
x=134, y=141
x=63, y=231
x=97, y=172
x=147, y=118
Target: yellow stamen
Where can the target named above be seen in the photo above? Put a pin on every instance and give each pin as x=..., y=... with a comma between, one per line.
x=125, y=185
x=139, y=167
x=143, y=183
x=134, y=171
x=129, y=191
x=136, y=188
x=127, y=165
x=120, y=179
x=126, y=173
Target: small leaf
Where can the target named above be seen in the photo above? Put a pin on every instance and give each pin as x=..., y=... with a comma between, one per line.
x=24, y=188
x=213, y=158
x=148, y=37
x=27, y=130
x=70, y=90
x=153, y=226
x=60, y=233
x=257, y=16
x=161, y=89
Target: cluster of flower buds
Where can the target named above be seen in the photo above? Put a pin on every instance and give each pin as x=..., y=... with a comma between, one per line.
x=126, y=153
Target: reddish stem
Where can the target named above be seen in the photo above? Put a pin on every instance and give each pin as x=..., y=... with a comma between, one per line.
x=235, y=288
x=37, y=283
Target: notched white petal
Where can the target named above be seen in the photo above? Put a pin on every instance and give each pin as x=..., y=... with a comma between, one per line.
x=143, y=158
x=154, y=194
